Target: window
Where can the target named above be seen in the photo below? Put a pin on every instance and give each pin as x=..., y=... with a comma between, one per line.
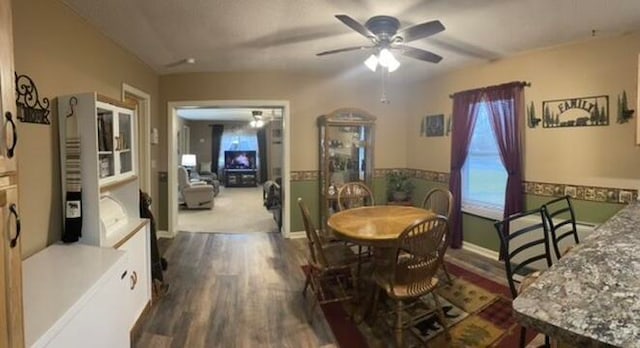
x=484, y=178
x=238, y=139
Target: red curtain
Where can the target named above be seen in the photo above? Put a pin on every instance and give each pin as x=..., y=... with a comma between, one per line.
x=465, y=111
x=506, y=105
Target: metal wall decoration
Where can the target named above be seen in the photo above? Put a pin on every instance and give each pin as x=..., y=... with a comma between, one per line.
x=28, y=102
x=576, y=112
x=432, y=126
x=532, y=121
x=624, y=113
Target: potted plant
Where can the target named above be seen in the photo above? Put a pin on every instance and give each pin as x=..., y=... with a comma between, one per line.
x=399, y=186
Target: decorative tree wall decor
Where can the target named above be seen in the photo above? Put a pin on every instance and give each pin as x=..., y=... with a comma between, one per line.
x=28, y=102
x=624, y=113
x=532, y=121
x=576, y=112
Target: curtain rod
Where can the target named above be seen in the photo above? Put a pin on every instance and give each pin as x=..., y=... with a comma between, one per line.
x=524, y=83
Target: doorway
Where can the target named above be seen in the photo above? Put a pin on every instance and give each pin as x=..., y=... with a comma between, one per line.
x=175, y=127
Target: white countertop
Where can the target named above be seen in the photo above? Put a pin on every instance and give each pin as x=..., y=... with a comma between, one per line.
x=58, y=281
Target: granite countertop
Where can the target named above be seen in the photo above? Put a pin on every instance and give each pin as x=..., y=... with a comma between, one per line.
x=591, y=297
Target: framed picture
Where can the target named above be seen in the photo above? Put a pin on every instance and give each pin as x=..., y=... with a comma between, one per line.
x=434, y=125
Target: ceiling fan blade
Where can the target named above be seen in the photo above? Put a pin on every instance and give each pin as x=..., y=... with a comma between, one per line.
x=418, y=53
x=343, y=50
x=420, y=31
x=355, y=25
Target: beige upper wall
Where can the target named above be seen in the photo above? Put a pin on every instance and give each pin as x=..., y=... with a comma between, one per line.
x=309, y=97
x=604, y=156
x=62, y=54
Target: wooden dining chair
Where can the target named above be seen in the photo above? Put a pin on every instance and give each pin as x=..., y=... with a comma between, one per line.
x=561, y=218
x=440, y=201
x=329, y=266
x=354, y=194
x=411, y=274
x=524, y=240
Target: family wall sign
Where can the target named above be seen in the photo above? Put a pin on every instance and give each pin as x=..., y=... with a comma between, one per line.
x=576, y=112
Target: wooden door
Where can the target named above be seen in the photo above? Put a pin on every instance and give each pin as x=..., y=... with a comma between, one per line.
x=11, y=326
x=8, y=117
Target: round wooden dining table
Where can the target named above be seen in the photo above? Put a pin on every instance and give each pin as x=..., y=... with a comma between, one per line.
x=376, y=226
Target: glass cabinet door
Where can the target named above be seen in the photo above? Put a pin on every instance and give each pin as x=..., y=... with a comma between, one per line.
x=106, y=150
x=346, y=154
x=123, y=141
x=115, y=151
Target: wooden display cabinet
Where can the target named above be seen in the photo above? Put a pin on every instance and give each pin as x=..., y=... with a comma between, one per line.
x=346, y=154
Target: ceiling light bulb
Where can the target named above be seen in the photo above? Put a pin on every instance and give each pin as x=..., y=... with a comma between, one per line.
x=388, y=61
x=259, y=123
x=372, y=62
x=253, y=124
x=393, y=65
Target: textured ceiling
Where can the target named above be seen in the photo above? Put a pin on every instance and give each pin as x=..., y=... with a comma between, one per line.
x=250, y=35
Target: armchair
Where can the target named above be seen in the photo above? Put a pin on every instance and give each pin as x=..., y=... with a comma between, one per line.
x=194, y=194
x=205, y=174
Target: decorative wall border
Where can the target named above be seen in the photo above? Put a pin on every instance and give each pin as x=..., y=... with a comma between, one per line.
x=581, y=192
x=304, y=175
x=585, y=193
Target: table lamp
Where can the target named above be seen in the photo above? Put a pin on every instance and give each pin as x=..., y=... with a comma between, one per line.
x=188, y=161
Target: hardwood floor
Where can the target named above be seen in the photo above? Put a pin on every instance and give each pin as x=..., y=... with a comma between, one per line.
x=244, y=290
x=232, y=290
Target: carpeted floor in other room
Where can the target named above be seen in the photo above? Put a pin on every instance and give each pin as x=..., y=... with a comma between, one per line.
x=236, y=210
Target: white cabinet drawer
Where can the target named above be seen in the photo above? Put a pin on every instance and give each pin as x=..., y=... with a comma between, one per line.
x=139, y=276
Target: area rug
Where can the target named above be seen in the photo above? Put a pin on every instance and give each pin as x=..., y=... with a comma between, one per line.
x=477, y=310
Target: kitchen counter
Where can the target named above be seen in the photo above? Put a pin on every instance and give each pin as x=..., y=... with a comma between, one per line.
x=591, y=297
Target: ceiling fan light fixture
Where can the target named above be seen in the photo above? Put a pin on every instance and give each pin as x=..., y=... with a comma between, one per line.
x=388, y=61
x=372, y=62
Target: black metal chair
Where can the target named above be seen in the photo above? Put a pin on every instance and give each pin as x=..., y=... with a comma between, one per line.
x=531, y=236
x=562, y=222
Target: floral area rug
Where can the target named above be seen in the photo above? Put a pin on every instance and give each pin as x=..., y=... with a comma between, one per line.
x=477, y=310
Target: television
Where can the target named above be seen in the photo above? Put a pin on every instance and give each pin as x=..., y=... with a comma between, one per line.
x=240, y=160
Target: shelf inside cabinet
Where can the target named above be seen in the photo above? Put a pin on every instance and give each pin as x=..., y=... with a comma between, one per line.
x=111, y=184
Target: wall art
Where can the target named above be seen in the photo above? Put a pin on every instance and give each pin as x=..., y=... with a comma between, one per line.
x=433, y=126
x=532, y=121
x=28, y=102
x=624, y=113
x=576, y=112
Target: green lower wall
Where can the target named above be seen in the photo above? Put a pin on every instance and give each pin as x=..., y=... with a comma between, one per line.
x=480, y=231
x=477, y=230
x=308, y=191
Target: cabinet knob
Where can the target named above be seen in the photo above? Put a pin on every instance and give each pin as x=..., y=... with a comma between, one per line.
x=11, y=148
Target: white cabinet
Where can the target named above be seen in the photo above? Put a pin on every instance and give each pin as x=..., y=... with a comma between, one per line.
x=97, y=153
x=74, y=295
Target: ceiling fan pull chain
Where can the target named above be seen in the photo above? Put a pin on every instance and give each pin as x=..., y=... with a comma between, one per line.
x=385, y=75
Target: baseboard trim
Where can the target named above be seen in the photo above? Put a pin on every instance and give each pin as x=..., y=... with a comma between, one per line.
x=163, y=234
x=297, y=234
x=480, y=250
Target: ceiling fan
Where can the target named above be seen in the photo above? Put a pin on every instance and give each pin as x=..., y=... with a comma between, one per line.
x=384, y=35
